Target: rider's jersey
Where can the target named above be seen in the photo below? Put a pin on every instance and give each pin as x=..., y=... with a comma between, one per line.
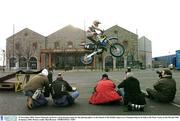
x=91, y=29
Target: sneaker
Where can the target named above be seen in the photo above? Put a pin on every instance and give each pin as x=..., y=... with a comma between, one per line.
x=135, y=107
x=130, y=108
x=142, y=109
x=29, y=102
x=145, y=94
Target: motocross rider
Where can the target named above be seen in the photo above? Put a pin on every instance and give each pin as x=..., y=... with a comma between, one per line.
x=92, y=32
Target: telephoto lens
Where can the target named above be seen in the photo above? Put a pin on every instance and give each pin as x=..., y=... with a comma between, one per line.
x=159, y=72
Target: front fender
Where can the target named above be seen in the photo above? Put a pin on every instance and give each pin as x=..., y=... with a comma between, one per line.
x=112, y=38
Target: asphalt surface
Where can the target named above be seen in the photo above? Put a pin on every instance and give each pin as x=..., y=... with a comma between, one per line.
x=12, y=103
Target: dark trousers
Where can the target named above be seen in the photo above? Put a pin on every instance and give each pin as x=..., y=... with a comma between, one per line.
x=93, y=40
x=158, y=96
x=66, y=100
x=40, y=101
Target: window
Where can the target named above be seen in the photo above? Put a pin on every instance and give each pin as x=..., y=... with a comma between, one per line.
x=33, y=63
x=56, y=45
x=115, y=32
x=17, y=45
x=25, y=34
x=109, y=62
x=34, y=44
x=70, y=44
x=22, y=62
x=125, y=43
x=12, y=62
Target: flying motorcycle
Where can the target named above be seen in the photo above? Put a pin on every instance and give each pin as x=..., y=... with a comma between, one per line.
x=104, y=42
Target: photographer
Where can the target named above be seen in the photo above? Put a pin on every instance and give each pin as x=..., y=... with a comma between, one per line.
x=63, y=94
x=104, y=92
x=164, y=89
x=160, y=73
x=128, y=73
x=37, y=89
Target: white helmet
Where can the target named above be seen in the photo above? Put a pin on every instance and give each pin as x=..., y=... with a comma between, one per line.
x=44, y=72
x=96, y=22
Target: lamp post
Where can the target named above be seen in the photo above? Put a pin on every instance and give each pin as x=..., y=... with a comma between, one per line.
x=3, y=60
x=13, y=48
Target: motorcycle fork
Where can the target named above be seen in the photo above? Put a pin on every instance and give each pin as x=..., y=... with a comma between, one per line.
x=93, y=53
x=111, y=44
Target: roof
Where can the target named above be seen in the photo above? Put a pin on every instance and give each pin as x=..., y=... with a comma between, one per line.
x=118, y=27
x=67, y=29
x=25, y=29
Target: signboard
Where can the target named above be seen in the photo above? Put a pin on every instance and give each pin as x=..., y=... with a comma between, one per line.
x=178, y=59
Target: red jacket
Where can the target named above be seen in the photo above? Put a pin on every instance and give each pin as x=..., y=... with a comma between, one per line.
x=104, y=92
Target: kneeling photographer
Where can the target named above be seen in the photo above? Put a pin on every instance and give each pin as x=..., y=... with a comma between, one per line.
x=164, y=89
x=63, y=94
x=160, y=73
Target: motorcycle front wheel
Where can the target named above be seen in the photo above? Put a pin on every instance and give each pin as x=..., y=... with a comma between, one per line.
x=117, y=50
x=85, y=60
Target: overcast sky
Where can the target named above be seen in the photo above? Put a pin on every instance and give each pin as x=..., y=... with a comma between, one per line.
x=158, y=20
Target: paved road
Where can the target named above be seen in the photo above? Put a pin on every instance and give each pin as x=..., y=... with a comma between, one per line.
x=14, y=103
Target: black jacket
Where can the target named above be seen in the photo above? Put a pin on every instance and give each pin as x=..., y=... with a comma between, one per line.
x=132, y=91
x=59, y=88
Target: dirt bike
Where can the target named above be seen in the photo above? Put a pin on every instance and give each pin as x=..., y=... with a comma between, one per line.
x=116, y=49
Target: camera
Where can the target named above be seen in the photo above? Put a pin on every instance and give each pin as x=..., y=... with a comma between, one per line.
x=159, y=72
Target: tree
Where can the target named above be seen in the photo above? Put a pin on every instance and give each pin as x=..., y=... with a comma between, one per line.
x=129, y=51
x=26, y=51
x=18, y=51
x=29, y=52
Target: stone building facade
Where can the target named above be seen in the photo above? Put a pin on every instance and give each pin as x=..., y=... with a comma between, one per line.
x=62, y=49
x=23, y=49
x=130, y=42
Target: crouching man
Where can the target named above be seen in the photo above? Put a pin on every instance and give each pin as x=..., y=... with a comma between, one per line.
x=164, y=89
x=132, y=95
x=62, y=93
x=37, y=89
x=104, y=92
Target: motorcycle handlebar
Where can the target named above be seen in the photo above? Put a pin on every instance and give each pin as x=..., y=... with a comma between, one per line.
x=102, y=32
